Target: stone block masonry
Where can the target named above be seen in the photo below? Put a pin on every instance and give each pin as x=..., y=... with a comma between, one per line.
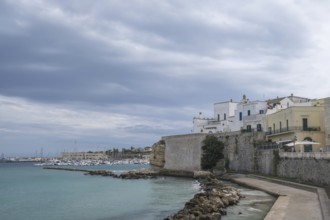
x=240, y=149
x=183, y=152
x=307, y=170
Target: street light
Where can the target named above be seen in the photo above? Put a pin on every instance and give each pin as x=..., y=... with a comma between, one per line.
x=294, y=143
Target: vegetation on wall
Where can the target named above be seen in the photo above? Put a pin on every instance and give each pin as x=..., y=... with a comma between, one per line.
x=276, y=161
x=227, y=162
x=212, y=152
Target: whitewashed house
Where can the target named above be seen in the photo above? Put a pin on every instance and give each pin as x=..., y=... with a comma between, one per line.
x=250, y=115
x=233, y=116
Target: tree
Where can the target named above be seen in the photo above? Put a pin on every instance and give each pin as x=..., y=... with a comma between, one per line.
x=212, y=152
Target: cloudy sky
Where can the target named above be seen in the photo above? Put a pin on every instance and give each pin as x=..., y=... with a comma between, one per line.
x=93, y=75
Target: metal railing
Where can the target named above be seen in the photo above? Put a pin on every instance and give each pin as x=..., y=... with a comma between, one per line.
x=291, y=129
x=314, y=155
x=267, y=146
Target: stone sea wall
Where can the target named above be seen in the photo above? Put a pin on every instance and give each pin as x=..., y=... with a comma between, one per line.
x=240, y=151
x=183, y=152
x=307, y=170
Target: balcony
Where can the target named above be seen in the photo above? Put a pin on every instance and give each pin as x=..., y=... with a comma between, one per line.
x=292, y=129
x=312, y=155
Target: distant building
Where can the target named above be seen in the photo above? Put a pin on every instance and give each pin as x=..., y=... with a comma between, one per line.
x=233, y=116
x=99, y=155
x=285, y=119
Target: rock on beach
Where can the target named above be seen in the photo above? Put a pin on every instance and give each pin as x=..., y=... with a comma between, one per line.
x=140, y=174
x=210, y=203
x=100, y=173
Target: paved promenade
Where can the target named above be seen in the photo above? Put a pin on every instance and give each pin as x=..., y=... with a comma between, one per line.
x=293, y=203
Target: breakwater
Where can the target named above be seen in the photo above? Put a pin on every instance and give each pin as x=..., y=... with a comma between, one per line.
x=210, y=203
x=139, y=174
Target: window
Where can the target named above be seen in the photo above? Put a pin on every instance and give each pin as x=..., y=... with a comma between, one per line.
x=308, y=147
x=261, y=111
x=249, y=112
x=218, y=117
x=287, y=125
x=280, y=126
x=224, y=116
x=305, y=124
x=248, y=128
x=259, y=127
x=274, y=127
x=240, y=116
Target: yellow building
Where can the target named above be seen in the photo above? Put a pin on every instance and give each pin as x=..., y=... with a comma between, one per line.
x=298, y=123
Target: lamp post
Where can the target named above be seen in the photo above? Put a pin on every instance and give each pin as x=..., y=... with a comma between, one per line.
x=294, y=143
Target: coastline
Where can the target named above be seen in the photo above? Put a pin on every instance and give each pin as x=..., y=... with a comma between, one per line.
x=210, y=203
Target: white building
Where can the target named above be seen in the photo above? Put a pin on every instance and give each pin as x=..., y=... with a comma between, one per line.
x=250, y=115
x=233, y=116
x=275, y=105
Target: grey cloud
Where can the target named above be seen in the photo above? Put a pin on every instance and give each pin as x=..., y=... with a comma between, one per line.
x=152, y=59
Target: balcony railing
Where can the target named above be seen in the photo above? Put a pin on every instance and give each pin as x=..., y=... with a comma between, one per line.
x=251, y=130
x=314, y=155
x=292, y=129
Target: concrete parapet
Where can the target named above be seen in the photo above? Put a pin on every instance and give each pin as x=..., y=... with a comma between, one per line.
x=294, y=201
x=322, y=195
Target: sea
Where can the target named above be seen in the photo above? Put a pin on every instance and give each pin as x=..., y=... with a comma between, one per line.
x=31, y=192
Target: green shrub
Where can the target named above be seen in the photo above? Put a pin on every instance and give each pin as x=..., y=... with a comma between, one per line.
x=212, y=152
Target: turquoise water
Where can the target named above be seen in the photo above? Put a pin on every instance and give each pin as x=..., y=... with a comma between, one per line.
x=29, y=192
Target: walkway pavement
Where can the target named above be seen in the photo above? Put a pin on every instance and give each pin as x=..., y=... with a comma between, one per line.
x=292, y=203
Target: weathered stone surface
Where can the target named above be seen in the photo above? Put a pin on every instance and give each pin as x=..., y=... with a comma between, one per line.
x=100, y=173
x=140, y=174
x=157, y=157
x=183, y=152
x=202, y=174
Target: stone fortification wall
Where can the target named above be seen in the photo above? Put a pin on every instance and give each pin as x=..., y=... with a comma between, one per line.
x=157, y=157
x=183, y=152
x=307, y=170
x=266, y=164
x=240, y=150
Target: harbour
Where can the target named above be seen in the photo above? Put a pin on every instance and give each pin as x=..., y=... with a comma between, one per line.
x=30, y=192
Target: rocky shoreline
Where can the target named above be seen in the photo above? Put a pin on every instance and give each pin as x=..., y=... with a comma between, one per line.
x=209, y=204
